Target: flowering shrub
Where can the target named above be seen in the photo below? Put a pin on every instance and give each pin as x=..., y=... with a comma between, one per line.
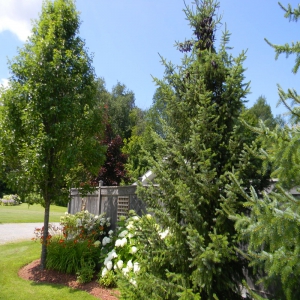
x=10, y=200
x=75, y=247
x=119, y=251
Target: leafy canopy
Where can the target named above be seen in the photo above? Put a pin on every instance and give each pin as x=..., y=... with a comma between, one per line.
x=50, y=121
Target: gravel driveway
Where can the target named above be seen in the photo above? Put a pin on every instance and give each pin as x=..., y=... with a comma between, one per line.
x=18, y=231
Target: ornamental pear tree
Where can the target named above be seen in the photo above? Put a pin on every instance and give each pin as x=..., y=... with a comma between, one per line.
x=196, y=147
x=50, y=118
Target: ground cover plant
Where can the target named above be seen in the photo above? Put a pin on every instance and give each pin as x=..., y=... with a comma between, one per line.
x=16, y=255
x=25, y=213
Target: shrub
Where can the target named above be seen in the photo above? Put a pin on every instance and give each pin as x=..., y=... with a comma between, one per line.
x=74, y=248
x=10, y=200
x=119, y=253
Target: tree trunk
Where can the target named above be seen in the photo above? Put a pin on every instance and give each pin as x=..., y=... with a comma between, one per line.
x=45, y=234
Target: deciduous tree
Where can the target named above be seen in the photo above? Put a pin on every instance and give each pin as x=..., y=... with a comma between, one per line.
x=50, y=121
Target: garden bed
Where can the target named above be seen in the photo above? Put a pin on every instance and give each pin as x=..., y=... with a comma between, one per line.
x=34, y=273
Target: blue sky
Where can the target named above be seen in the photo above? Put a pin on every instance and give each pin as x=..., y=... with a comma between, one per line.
x=127, y=36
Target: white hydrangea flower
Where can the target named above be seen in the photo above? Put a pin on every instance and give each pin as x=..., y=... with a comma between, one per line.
x=132, y=281
x=130, y=265
x=118, y=243
x=110, y=232
x=106, y=240
x=133, y=249
x=96, y=217
x=66, y=213
x=110, y=255
x=114, y=253
x=135, y=218
x=97, y=243
x=148, y=216
x=109, y=265
x=136, y=267
x=130, y=226
x=120, y=264
x=123, y=242
x=163, y=234
x=104, y=271
x=123, y=233
x=125, y=271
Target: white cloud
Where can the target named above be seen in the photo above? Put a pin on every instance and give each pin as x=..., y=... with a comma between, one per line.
x=4, y=82
x=16, y=16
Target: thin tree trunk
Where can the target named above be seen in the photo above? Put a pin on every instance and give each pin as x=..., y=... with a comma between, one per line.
x=45, y=234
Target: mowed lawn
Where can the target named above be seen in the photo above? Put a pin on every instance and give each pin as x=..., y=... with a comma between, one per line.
x=15, y=255
x=29, y=214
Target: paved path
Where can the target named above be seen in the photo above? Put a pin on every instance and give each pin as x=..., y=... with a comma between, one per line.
x=18, y=231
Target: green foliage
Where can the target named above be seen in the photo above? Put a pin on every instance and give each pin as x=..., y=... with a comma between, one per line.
x=120, y=105
x=75, y=247
x=119, y=252
x=271, y=226
x=50, y=118
x=138, y=147
x=108, y=280
x=70, y=256
x=10, y=200
x=197, y=146
x=86, y=271
x=289, y=49
x=262, y=111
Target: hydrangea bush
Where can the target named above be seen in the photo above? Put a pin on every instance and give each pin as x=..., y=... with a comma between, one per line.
x=10, y=200
x=75, y=247
x=119, y=252
x=84, y=244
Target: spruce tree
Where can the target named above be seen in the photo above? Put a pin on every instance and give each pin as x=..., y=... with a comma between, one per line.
x=272, y=225
x=203, y=99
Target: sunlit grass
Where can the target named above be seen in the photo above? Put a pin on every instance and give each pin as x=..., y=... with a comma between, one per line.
x=29, y=214
x=15, y=255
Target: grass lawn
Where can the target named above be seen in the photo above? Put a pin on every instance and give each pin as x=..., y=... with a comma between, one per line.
x=15, y=255
x=29, y=214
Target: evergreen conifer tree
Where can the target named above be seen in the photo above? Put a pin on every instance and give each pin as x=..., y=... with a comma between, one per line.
x=196, y=256
x=272, y=225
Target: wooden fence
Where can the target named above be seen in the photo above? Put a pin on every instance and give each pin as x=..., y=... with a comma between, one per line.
x=114, y=201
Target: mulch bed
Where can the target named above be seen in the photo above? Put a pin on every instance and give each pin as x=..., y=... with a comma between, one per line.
x=34, y=273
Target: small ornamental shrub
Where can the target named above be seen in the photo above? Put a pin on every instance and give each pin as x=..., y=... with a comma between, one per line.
x=108, y=280
x=10, y=200
x=84, y=226
x=75, y=247
x=86, y=271
x=120, y=251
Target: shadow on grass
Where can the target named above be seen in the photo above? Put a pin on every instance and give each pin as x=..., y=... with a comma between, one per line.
x=72, y=290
